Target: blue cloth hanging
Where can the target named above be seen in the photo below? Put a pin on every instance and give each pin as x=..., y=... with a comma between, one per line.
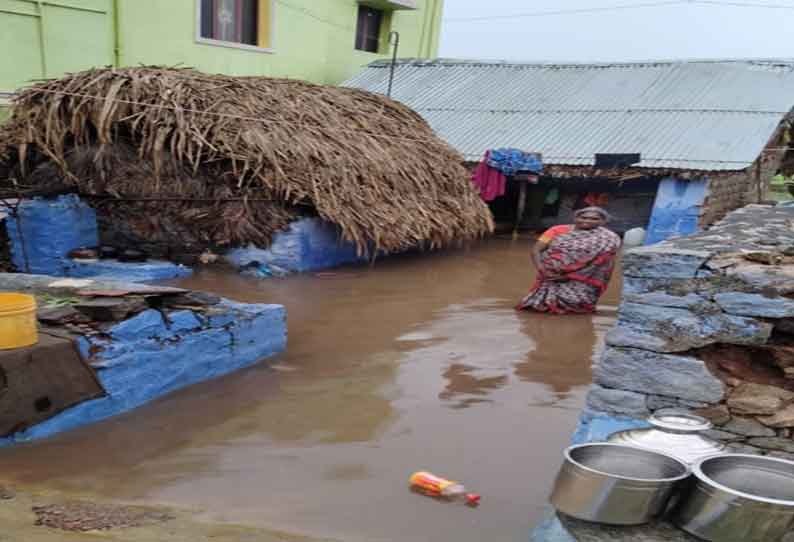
x=512, y=161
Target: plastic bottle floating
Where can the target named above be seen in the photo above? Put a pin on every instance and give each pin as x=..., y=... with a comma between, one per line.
x=440, y=488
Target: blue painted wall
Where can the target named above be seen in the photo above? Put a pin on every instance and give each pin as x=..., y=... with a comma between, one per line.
x=310, y=244
x=147, y=357
x=676, y=210
x=51, y=228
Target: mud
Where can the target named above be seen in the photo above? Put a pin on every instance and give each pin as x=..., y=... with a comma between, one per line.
x=417, y=363
x=21, y=523
x=89, y=516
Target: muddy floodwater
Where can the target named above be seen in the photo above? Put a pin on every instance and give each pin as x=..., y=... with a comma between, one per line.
x=419, y=362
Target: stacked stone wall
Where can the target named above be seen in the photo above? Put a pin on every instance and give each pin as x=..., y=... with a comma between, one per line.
x=727, y=192
x=706, y=325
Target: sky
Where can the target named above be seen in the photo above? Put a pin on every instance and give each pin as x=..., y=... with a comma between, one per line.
x=685, y=30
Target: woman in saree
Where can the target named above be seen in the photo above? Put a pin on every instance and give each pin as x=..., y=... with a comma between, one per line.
x=574, y=265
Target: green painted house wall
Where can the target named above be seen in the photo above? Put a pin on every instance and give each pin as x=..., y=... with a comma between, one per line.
x=309, y=39
x=47, y=39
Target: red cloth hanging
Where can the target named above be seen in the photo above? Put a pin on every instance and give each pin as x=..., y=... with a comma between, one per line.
x=489, y=181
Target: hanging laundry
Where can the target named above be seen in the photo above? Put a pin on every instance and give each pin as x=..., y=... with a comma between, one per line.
x=511, y=161
x=489, y=181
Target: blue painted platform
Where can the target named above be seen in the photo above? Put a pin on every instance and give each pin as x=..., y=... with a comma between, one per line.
x=146, y=357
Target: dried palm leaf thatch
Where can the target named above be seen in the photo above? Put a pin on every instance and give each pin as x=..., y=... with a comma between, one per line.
x=187, y=212
x=362, y=161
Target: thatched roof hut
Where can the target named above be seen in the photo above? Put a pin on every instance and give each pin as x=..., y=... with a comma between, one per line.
x=233, y=159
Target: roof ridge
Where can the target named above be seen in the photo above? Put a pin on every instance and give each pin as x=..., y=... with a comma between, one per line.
x=714, y=110
x=787, y=62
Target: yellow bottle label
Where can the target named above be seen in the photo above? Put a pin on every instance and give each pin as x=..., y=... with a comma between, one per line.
x=430, y=483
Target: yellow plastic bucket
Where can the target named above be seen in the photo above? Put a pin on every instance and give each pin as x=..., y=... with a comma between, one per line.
x=17, y=321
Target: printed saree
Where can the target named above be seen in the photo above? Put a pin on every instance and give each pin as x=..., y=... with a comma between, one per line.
x=578, y=265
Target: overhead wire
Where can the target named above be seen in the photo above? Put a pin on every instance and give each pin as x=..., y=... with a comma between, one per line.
x=734, y=3
x=571, y=11
x=621, y=7
x=312, y=15
x=309, y=13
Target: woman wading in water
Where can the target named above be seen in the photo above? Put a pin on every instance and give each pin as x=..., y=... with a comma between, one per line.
x=574, y=264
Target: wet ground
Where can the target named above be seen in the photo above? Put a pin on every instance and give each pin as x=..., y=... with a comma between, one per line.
x=418, y=363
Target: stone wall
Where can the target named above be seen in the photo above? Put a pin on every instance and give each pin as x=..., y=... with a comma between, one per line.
x=706, y=325
x=727, y=192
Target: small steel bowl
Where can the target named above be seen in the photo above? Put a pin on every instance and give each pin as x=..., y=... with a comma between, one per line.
x=739, y=498
x=616, y=484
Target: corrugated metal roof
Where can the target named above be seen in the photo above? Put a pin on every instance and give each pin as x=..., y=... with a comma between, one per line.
x=697, y=115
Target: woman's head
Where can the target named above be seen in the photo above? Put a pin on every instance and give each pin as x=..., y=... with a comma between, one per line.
x=590, y=218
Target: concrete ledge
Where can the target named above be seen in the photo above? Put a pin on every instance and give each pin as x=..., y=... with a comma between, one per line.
x=131, y=272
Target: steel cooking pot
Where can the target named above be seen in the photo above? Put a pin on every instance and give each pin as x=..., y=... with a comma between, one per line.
x=739, y=498
x=616, y=484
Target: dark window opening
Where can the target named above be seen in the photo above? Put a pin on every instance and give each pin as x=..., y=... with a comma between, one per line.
x=368, y=29
x=235, y=21
x=43, y=404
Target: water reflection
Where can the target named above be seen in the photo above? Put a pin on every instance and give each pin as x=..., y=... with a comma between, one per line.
x=462, y=382
x=563, y=349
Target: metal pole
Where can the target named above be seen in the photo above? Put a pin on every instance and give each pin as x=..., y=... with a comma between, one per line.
x=116, y=35
x=394, y=41
x=522, y=205
x=42, y=39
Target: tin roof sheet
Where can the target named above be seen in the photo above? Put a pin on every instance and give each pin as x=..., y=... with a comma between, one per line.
x=695, y=115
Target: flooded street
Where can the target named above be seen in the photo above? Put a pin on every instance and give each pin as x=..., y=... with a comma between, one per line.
x=417, y=363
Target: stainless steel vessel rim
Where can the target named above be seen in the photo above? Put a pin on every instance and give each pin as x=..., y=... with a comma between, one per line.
x=620, y=437
x=660, y=421
x=687, y=469
x=701, y=476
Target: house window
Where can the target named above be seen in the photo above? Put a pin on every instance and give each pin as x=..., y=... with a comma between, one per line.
x=368, y=29
x=233, y=21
